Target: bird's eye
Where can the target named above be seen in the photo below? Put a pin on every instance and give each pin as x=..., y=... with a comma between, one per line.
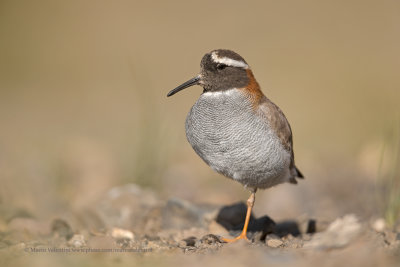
x=221, y=66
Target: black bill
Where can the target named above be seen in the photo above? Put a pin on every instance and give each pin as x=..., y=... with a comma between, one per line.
x=187, y=84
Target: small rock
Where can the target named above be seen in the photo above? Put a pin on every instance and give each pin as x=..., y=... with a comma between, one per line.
x=61, y=228
x=77, y=241
x=119, y=233
x=210, y=239
x=264, y=225
x=392, y=237
x=274, y=243
x=152, y=238
x=379, y=225
x=233, y=215
x=188, y=242
x=287, y=237
x=287, y=227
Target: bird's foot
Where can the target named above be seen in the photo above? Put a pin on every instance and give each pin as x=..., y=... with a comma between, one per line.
x=243, y=235
x=232, y=240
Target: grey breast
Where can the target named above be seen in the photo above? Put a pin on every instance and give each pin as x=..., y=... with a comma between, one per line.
x=234, y=140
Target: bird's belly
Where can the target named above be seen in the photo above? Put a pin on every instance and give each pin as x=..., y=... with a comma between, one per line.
x=236, y=142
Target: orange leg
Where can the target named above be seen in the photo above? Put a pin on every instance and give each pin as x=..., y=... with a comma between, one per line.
x=243, y=235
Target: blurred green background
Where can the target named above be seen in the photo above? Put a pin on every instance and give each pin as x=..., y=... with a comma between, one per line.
x=83, y=102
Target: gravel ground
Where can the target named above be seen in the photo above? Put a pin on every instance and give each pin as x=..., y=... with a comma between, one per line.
x=131, y=225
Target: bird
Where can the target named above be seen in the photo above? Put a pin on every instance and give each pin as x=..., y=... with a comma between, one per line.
x=237, y=130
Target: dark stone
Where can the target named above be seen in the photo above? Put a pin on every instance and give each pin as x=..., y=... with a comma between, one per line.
x=311, y=226
x=232, y=216
x=210, y=239
x=258, y=229
x=61, y=228
x=152, y=238
x=287, y=227
x=190, y=241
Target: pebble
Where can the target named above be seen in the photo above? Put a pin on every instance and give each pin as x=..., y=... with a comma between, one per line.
x=188, y=242
x=379, y=225
x=210, y=239
x=61, y=228
x=392, y=237
x=233, y=215
x=77, y=241
x=274, y=243
x=119, y=233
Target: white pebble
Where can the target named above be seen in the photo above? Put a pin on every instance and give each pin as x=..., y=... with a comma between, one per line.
x=379, y=225
x=119, y=233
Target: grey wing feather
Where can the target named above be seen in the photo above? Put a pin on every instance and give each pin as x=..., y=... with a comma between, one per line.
x=281, y=126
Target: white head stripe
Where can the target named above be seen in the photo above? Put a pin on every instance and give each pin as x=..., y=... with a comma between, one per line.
x=228, y=61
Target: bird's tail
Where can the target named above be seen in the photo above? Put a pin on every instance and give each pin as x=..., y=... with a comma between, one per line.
x=299, y=174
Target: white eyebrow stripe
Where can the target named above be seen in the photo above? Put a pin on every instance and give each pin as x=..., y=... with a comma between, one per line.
x=228, y=61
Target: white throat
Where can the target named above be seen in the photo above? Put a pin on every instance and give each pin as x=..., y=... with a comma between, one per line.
x=220, y=93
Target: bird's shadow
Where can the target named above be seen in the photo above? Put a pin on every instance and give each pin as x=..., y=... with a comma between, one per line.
x=232, y=218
